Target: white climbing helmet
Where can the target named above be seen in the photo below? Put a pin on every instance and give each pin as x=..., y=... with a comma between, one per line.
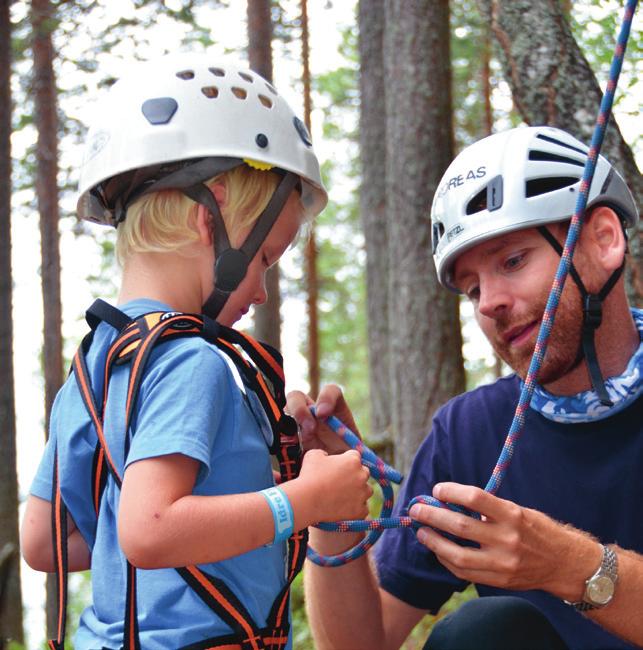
x=521, y=178
x=190, y=107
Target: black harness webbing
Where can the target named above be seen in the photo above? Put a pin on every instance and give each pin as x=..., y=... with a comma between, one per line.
x=262, y=371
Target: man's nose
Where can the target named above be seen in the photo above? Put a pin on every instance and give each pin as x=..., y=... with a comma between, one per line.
x=495, y=297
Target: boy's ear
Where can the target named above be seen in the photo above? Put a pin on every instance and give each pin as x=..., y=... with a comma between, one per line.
x=204, y=225
x=219, y=194
x=605, y=237
x=203, y=216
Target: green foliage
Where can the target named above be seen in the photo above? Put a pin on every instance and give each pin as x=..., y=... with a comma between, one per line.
x=341, y=256
x=595, y=25
x=14, y=645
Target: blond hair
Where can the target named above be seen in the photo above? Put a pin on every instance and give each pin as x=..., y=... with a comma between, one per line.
x=164, y=221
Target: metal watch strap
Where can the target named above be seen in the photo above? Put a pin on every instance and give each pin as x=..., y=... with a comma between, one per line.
x=608, y=568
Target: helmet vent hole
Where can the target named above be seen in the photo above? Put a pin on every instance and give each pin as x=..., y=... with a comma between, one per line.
x=478, y=203
x=217, y=72
x=271, y=88
x=437, y=234
x=266, y=101
x=538, y=186
x=185, y=74
x=210, y=91
x=239, y=93
x=246, y=77
x=560, y=143
x=552, y=157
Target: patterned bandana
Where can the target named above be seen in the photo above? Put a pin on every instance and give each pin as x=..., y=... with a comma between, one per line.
x=586, y=407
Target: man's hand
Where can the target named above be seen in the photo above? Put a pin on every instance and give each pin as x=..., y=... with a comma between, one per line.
x=519, y=548
x=314, y=433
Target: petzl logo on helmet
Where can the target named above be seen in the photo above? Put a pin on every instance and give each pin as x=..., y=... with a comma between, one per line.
x=100, y=139
x=454, y=232
x=461, y=179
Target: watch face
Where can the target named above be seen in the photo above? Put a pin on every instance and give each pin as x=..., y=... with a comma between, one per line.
x=600, y=590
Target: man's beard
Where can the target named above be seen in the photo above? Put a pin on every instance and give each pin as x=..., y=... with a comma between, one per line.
x=563, y=345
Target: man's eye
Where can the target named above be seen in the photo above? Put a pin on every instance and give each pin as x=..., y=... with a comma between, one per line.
x=514, y=261
x=473, y=293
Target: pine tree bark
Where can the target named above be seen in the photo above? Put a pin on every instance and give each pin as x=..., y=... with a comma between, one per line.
x=267, y=317
x=426, y=342
x=552, y=83
x=372, y=145
x=46, y=119
x=10, y=591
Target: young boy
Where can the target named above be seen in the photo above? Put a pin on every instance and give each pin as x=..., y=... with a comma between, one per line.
x=200, y=165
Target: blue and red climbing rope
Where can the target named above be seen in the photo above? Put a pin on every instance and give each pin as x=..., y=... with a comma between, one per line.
x=384, y=474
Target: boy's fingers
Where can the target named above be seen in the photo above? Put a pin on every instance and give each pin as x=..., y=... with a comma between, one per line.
x=298, y=406
x=331, y=402
x=330, y=396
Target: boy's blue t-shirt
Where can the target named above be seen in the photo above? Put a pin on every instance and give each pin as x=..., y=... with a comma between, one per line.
x=192, y=402
x=585, y=474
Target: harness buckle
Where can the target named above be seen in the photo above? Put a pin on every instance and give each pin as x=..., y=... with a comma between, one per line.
x=592, y=311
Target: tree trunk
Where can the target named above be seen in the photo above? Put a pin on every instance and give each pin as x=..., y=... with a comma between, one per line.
x=46, y=119
x=372, y=146
x=486, y=77
x=552, y=83
x=267, y=318
x=310, y=252
x=10, y=592
x=426, y=342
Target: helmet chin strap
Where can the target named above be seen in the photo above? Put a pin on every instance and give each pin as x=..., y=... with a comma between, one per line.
x=592, y=317
x=231, y=264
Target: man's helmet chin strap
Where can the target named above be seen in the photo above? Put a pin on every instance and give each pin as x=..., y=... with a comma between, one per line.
x=231, y=264
x=592, y=317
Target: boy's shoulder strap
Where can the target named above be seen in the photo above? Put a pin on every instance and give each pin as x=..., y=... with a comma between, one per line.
x=100, y=310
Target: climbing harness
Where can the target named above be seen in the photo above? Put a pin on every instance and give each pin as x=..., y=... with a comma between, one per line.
x=376, y=526
x=262, y=370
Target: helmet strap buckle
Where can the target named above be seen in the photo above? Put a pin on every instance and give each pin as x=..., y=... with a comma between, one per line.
x=592, y=311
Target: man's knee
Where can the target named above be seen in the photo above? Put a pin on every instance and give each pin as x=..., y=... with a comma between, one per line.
x=493, y=623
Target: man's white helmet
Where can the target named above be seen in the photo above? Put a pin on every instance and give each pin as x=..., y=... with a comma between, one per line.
x=521, y=178
x=185, y=108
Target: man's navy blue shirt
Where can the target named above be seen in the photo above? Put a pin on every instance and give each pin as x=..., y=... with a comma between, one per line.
x=586, y=474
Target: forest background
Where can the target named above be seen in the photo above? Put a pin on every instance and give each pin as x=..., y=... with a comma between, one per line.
x=392, y=91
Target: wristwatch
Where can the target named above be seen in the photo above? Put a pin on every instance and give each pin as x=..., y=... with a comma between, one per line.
x=599, y=588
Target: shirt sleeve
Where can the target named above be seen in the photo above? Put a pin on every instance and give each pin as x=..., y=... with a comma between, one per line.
x=406, y=568
x=41, y=485
x=183, y=404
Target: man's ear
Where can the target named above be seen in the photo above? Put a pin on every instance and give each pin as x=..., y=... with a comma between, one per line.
x=605, y=238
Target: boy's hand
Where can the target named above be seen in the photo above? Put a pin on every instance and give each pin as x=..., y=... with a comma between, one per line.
x=337, y=486
x=314, y=433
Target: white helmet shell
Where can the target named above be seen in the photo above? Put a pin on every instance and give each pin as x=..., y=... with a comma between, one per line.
x=193, y=106
x=521, y=178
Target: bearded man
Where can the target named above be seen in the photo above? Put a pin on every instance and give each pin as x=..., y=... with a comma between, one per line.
x=557, y=553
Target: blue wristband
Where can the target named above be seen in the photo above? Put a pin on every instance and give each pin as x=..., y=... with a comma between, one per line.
x=281, y=513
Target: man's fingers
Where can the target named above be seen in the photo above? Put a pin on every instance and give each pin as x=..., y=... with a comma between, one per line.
x=474, y=499
x=457, y=524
